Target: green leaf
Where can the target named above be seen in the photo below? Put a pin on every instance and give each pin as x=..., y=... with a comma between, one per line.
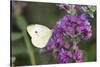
x=16, y=36
x=21, y=22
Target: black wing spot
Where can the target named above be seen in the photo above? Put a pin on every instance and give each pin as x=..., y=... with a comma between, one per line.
x=36, y=32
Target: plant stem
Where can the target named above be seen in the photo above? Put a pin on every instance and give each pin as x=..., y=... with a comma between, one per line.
x=29, y=49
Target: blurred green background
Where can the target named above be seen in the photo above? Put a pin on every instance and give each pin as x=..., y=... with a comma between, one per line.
x=25, y=13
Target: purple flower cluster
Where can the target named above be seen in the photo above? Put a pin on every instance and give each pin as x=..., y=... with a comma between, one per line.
x=71, y=26
x=76, y=25
x=65, y=56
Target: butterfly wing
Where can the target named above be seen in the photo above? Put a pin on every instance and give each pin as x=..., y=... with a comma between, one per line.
x=40, y=35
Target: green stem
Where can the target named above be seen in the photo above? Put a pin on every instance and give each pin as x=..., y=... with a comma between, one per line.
x=29, y=49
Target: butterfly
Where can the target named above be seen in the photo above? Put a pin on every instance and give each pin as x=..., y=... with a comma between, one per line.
x=39, y=34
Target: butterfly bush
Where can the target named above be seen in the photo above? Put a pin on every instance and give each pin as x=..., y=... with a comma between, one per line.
x=67, y=33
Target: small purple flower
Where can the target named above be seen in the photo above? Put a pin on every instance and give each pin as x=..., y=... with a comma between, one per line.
x=77, y=56
x=61, y=56
x=51, y=44
x=69, y=28
x=74, y=46
x=79, y=29
x=73, y=18
x=79, y=21
x=80, y=56
x=83, y=16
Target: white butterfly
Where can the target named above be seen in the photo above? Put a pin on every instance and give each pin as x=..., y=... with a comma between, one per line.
x=39, y=34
